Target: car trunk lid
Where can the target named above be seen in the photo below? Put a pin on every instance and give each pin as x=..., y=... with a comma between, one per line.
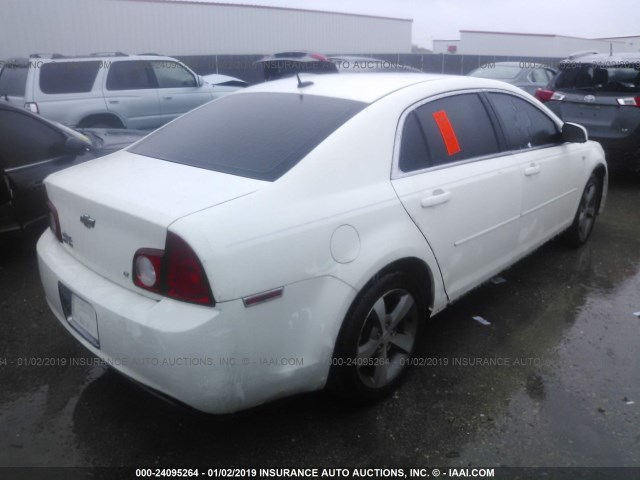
x=111, y=207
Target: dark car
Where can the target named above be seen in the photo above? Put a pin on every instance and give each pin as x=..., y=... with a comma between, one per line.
x=529, y=76
x=286, y=64
x=602, y=93
x=31, y=148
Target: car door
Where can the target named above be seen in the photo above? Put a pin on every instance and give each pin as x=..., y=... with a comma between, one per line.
x=131, y=92
x=30, y=150
x=549, y=168
x=458, y=188
x=179, y=89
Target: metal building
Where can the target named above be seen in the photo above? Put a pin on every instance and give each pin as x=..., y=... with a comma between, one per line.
x=195, y=27
x=474, y=42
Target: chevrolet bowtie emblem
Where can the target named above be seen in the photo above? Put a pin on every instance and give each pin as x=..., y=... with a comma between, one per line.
x=87, y=221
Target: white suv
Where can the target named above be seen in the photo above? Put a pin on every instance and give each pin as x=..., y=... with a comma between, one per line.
x=105, y=90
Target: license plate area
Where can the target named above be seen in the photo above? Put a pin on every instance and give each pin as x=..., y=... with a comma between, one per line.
x=80, y=314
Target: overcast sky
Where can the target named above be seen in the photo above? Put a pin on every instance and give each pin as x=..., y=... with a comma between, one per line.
x=443, y=19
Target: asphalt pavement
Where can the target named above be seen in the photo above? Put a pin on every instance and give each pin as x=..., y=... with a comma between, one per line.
x=550, y=378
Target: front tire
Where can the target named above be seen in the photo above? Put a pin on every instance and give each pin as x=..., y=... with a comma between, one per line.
x=377, y=339
x=580, y=230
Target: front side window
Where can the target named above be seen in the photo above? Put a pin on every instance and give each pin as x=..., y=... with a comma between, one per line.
x=130, y=75
x=254, y=135
x=25, y=140
x=524, y=125
x=68, y=77
x=172, y=75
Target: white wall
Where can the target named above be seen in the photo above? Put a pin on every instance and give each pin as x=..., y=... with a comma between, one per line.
x=478, y=43
x=629, y=44
x=73, y=27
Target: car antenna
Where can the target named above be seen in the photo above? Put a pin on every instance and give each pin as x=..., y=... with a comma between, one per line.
x=302, y=84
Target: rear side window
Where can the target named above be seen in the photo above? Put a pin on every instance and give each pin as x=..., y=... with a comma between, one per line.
x=13, y=80
x=25, y=140
x=413, y=149
x=455, y=128
x=524, y=125
x=257, y=135
x=130, y=75
x=68, y=77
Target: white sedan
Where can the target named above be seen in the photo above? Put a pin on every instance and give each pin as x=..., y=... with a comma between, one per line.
x=296, y=234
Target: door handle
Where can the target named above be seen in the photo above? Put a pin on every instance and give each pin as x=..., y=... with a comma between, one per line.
x=532, y=169
x=114, y=102
x=168, y=98
x=438, y=197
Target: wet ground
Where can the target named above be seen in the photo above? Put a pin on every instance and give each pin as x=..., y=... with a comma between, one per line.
x=553, y=380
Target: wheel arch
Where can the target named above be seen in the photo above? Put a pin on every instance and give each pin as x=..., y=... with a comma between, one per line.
x=601, y=172
x=108, y=118
x=418, y=269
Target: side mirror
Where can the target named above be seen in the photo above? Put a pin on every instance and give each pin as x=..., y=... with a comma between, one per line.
x=574, y=133
x=74, y=146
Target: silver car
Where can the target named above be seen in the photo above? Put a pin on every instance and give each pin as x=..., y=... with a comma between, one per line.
x=529, y=76
x=105, y=90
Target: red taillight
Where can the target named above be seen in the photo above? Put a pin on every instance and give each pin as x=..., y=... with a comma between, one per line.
x=629, y=101
x=318, y=56
x=544, y=95
x=186, y=279
x=54, y=221
x=175, y=272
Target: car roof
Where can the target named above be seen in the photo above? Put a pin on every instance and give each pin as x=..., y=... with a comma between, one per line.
x=56, y=58
x=369, y=87
x=604, y=58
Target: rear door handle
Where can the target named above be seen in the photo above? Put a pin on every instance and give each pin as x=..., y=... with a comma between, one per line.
x=532, y=169
x=168, y=98
x=438, y=197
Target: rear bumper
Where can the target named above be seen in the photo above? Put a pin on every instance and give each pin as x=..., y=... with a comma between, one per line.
x=218, y=360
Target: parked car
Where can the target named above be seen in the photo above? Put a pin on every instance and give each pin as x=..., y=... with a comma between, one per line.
x=601, y=92
x=31, y=148
x=286, y=64
x=105, y=90
x=296, y=235
x=529, y=76
x=354, y=64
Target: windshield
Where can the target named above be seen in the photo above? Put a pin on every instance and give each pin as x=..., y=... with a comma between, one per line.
x=497, y=72
x=255, y=135
x=614, y=78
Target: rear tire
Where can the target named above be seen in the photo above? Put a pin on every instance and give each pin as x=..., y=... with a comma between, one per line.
x=580, y=230
x=377, y=339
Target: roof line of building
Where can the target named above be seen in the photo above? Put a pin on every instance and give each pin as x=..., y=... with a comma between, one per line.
x=267, y=7
x=529, y=34
x=619, y=36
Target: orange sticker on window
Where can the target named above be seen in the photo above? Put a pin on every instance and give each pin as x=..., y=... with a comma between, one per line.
x=447, y=132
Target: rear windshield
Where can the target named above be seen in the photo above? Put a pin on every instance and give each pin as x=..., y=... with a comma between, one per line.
x=13, y=79
x=497, y=72
x=614, y=78
x=68, y=77
x=257, y=135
